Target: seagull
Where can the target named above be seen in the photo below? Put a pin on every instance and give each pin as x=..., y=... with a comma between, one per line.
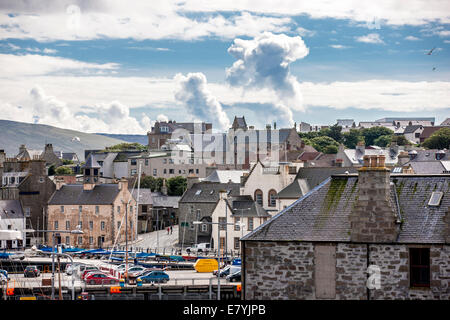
x=434, y=68
x=429, y=52
x=75, y=139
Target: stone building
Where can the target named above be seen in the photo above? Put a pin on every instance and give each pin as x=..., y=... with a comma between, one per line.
x=373, y=235
x=100, y=209
x=197, y=204
x=27, y=181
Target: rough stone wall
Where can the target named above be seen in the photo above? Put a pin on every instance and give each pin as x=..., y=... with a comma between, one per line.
x=279, y=270
x=285, y=270
x=351, y=275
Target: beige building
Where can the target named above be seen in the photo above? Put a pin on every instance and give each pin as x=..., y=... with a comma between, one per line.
x=100, y=209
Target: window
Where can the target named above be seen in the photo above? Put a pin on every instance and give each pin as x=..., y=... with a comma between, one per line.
x=144, y=208
x=198, y=192
x=133, y=162
x=80, y=240
x=91, y=225
x=196, y=171
x=222, y=224
x=97, y=209
x=164, y=160
x=118, y=225
x=62, y=209
x=146, y=162
x=237, y=244
x=80, y=209
x=164, y=129
x=133, y=172
x=67, y=225
x=419, y=260
x=80, y=223
x=56, y=225
x=118, y=209
x=435, y=199
x=250, y=224
x=165, y=171
x=237, y=227
x=191, y=170
x=259, y=197
x=27, y=212
x=91, y=240
x=102, y=225
x=67, y=240
x=272, y=198
x=170, y=160
x=204, y=227
x=155, y=172
x=171, y=171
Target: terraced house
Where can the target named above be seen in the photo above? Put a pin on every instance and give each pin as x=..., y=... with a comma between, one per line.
x=99, y=209
x=364, y=236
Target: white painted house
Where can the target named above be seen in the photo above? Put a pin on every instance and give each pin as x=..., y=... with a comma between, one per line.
x=11, y=219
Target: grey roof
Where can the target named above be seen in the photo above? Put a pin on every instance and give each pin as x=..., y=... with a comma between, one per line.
x=446, y=122
x=73, y=194
x=323, y=213
x=427, y=167
x=314, y=175
x=345, y=122
x=244, y=206
x=240, y=121
x=223, y=176
x=295, y=190
x=412, y=129
x=145, y=196
x=11, y=209
x=91, y=162
x=209, y=191
x=161, y=200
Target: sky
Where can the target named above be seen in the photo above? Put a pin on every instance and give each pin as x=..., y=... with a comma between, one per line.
x=119, y=66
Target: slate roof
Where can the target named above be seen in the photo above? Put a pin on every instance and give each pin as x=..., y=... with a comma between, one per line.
x=73, y=194
x=323, y=213
x=11, y=209
x=412, y=129
x=209, y=192
x=446, y=122
x=223, y=176
x=244, y=206
x=161, y=200
x=427, y=167
x=295, y=190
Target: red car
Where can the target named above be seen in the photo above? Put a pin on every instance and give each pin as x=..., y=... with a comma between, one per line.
x=100, y=278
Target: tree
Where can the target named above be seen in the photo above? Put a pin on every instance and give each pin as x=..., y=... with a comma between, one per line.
x=352, y=138
x=335, y=132
x=370, y=134
x=325, y=144
x=383, y=141
x=440, y=139
x=63, y=171
x=126, y=146
x=176, y=186
x=149, y=182
x=401, y=140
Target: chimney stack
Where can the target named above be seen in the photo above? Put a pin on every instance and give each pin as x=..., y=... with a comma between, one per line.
x=373, y=218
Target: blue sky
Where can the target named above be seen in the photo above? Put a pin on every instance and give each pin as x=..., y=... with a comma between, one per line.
x=118, y=69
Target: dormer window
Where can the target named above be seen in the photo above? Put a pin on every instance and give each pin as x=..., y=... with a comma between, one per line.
x=164, y=129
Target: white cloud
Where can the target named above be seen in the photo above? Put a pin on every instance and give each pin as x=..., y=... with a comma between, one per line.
x=162, y=118
x=194, y=94
x=35, y=64
x=305, y=32
x=339, y=46
x=370, y=38
x=263, y=62
x=412, y=38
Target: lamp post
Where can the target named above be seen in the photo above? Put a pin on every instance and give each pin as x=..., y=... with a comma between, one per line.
x=75, y=231
x=218, y=249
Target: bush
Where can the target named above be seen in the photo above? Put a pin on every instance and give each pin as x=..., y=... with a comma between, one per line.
x=440, y=139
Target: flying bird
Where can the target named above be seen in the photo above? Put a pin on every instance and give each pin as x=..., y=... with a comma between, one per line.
x=434, y=68
x=429, y=52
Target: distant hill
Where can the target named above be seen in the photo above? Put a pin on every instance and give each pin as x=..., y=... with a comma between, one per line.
x=139, y=138
x=35, y=136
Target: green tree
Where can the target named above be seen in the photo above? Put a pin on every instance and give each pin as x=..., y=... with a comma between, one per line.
x=351, y=138
x=383, y=141
x=370, y=134
x=66, y=161
x=401, y=140
x=325, y=144
x=149, y=182
x=335, y=132
x=63, y=171
x=176, y=186
x=126, y=146
x=440, y=139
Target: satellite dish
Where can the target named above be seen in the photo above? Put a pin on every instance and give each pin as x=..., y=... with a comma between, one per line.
x=75, y=139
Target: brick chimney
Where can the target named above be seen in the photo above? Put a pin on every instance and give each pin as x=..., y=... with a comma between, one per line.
x=373, y=218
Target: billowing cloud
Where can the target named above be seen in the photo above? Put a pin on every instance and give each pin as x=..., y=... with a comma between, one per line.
x=194, y=94
x=264, y=63
x=162, y=118
x=370, y=38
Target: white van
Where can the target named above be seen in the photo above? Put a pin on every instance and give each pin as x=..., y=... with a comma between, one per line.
x=199, y=248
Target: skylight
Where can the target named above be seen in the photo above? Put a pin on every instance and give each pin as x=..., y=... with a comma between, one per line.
x=435, y=199
x=198, y=192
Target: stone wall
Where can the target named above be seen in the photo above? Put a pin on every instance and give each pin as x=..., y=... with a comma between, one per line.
x=285, y=270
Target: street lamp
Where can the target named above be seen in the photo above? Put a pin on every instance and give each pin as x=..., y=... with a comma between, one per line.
x=75, y=231
x=218, y=248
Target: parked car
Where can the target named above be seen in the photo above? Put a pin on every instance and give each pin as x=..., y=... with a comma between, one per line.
x=100, y=278
x=3, y=279
x=121, y=267
x=199, y=248
x=80, y=269
x=31, y=271
x=71, y=268
x=89, y=270
x=5, y=273
x=234, y=277
x=154, y=276
x=223, y=272
x=135, y=271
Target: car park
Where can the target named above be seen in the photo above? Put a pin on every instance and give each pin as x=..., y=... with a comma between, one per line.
x=31, y=271
x=99, y=278
x=235, y=277
x=136, y=271
x=83, y=267
x=154, y=276
x=88, y=270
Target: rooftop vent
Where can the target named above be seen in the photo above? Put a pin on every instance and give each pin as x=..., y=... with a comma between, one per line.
x=435, y=199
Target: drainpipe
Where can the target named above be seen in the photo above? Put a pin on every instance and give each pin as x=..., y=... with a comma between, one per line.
x=367, y=264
